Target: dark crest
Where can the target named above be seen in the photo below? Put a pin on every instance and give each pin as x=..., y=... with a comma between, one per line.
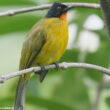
x=56, y=10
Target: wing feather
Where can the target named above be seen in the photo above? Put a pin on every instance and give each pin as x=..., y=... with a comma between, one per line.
x=32, y=45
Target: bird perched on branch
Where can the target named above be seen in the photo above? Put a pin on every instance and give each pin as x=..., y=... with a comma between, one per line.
x=44, y=44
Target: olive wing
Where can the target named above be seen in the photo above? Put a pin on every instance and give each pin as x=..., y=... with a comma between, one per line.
x=32, y=45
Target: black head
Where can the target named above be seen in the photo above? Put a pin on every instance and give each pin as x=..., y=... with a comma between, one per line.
x=57, y=9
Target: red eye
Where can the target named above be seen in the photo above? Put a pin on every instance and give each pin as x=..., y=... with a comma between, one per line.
x=59, y=8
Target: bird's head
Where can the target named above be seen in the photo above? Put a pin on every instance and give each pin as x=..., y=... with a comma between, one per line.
x=58, y=10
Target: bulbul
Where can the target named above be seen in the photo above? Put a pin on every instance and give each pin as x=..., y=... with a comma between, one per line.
x=45, y=44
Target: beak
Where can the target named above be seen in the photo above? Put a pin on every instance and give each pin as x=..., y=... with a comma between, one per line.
x=68, y=8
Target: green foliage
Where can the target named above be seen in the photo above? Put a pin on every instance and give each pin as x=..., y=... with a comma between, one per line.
x=108, y=101
x=17, y=3
x=17, y=23
x=72, y=91
x=88, y=1
x=96, y=58
x=48, y=104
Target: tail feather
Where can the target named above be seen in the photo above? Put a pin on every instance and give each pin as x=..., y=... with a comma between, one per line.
x=20, y=94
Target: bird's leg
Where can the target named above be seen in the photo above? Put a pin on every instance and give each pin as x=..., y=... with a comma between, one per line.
x=42, y=73
x=57, y=66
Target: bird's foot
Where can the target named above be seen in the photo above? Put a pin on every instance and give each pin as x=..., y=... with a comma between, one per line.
x=57, y=66
x=42, y=73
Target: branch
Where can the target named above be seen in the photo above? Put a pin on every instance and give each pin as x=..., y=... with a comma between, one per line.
x=98, y=94
x=42, y=7
x=105, y=7
x=63, y=65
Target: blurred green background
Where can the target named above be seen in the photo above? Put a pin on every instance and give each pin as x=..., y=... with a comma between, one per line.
x=71, y=89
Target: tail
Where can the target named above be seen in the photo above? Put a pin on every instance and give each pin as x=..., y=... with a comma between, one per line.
x=19, y=103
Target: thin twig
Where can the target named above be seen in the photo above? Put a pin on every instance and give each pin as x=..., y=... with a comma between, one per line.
x=42, y=7
x=63, y=65
x=98, y=95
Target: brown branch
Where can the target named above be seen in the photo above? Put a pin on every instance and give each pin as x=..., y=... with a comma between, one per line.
x=63, y=65
x=42, y=7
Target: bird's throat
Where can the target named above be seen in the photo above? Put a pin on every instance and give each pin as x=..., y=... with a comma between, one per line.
x=63, y=17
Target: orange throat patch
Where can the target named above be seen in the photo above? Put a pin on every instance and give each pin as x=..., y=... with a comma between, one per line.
x=63, y=17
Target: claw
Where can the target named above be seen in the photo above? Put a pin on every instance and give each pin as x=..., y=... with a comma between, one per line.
x=42, y=73
x=57, y=66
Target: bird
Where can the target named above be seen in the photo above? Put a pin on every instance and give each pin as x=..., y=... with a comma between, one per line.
x=45, y=43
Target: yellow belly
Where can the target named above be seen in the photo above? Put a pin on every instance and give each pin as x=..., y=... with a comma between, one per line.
x=56, y=42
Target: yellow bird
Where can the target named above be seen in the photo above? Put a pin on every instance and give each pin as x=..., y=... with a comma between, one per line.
x=44, y=44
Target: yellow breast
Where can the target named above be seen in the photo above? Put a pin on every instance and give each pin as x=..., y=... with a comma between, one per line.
x=56, y=41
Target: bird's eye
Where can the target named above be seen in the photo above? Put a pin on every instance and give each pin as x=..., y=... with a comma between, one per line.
x=58, y=8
